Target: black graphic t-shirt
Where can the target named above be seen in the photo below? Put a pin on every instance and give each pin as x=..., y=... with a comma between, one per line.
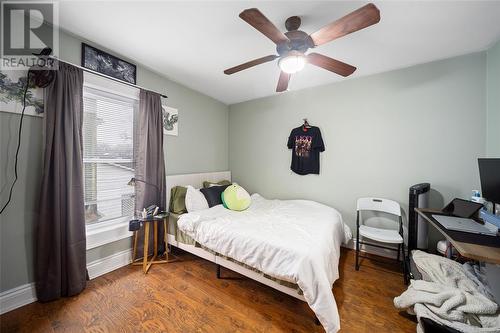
x=306, y=144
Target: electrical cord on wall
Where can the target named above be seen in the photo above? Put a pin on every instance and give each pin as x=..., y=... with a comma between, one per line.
x=18, y=142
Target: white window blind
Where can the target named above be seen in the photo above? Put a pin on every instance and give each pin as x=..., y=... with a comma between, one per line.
x=108, y=155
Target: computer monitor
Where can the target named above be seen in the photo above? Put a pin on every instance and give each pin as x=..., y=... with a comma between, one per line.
x=489, y=172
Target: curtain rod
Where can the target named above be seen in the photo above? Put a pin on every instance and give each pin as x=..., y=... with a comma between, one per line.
x=109, y=77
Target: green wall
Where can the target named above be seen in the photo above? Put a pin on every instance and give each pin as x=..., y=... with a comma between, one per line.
x=16, y=222
x=202, y=146
x=383, y=133
x=493, y=101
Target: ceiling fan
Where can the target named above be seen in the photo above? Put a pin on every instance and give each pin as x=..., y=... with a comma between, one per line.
x=292, y=45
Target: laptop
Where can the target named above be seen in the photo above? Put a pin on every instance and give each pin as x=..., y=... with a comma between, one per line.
x=461, y=208
x=464, y=225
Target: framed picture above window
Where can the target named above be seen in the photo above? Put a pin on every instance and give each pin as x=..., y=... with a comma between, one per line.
x=105, y=63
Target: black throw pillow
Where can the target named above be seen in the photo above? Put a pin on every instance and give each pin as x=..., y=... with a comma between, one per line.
x=213, y=194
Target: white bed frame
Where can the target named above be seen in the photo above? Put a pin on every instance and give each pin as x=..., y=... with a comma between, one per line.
x=196, y=180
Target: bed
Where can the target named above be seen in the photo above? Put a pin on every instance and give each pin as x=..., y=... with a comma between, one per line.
x=290, y=245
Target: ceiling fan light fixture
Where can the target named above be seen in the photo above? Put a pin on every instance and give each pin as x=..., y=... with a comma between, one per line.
x=292, y=63
x=292, y=45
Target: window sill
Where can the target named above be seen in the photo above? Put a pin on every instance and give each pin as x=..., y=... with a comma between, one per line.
x=107, y=232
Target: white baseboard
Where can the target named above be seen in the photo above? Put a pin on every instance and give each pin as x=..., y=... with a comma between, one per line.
x=16, y=297
x=371, y=249
x=105, y=265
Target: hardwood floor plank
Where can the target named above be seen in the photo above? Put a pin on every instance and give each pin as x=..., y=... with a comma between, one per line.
x=213, y=296
x=260, y=303
x=186, y=296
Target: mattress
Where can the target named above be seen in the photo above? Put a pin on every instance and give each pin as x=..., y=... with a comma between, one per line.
x=181, y=237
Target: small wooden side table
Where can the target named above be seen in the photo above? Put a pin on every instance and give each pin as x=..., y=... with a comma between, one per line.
x=146, y=222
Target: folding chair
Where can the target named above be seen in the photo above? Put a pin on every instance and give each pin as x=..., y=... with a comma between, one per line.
x=381, y=235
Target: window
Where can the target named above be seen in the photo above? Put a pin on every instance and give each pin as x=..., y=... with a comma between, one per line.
x=108, y=155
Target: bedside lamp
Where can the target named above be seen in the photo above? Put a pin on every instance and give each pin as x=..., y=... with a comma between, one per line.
x=133, y=181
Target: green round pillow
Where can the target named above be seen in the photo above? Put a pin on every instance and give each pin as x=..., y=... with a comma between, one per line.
x=236, y=198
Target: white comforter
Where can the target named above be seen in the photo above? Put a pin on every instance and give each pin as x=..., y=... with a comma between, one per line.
x=293, y=240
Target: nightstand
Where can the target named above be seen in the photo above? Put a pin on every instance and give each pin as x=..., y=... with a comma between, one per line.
x=147, y=223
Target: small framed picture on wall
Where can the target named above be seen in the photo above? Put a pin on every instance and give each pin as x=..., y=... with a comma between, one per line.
x=170, y=121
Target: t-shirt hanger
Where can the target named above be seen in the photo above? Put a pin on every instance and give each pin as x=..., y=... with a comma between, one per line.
x=306, y=124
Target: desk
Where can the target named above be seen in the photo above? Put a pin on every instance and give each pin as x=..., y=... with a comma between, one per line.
x=477, y=252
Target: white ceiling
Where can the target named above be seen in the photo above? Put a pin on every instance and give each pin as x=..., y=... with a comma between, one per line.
x=193, y=42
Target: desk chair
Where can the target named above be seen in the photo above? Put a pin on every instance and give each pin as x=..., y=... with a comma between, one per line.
x=387, y=236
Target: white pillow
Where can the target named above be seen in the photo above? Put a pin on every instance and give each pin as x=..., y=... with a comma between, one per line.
x=195, y=200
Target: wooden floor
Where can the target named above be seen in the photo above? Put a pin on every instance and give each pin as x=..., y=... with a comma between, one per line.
x=186, y=296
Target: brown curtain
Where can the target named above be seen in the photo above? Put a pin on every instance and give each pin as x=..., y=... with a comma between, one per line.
x=60, y=257
x=150, y=165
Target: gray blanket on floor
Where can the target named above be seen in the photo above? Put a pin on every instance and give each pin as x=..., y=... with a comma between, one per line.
x=448, y=296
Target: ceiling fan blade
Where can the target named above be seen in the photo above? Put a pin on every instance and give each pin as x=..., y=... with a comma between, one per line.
x=283, y=82
x=357, y=20
x=249, y=64
x=330, y=64
x=256, y=19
